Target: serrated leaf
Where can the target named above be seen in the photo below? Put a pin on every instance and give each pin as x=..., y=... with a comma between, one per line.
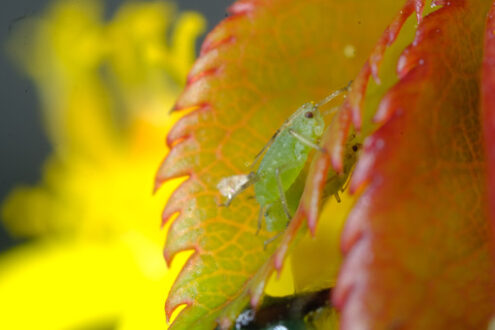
x=417, y=243
x=255, y=69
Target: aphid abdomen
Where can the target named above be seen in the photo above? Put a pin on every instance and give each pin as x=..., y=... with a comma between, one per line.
x=275, y=217
x=288, y=154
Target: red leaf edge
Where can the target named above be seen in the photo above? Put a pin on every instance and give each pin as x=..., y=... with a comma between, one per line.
x=181, y=136
x=334, y=139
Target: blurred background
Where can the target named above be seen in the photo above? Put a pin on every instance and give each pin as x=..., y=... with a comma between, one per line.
x=85, y=90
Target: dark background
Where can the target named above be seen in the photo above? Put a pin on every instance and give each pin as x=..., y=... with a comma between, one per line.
x=23, y=144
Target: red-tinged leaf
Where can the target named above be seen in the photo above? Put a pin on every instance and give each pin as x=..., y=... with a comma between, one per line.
x=488, y=107
x=351, y=111
x=255, y=69
x=417, y=243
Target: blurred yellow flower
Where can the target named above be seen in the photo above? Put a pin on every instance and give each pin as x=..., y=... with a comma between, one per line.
x=95, y=255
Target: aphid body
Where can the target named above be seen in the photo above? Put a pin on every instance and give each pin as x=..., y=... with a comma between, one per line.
x=283, y=159
x=287, y=155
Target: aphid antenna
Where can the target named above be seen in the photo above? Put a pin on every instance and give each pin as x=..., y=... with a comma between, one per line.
x=334, y=95
x=331, y=111
x=271, y=240
x=305, y=141
x=296, y=114
x=262, y=151
x=260, y=220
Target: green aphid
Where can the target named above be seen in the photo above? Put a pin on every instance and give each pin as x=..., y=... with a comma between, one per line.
x=337, y=181
x=279, y=179
x=275, y=217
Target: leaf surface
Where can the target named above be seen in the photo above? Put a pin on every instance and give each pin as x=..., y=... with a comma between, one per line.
x=417, y=242
x=255, y=69
x=488, y=110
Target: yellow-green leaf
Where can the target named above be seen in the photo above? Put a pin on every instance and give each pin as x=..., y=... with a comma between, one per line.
x=255, y=69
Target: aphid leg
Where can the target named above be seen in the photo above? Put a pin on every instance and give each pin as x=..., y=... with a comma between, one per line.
x=270, y=240
x=305, y=141
x=344, y=187
x=337, y=197
x=260, y=219
x=283, y=199
x=260, y=153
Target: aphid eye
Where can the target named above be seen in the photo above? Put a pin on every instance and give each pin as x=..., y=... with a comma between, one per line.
x=308, y=114
x=354, y=148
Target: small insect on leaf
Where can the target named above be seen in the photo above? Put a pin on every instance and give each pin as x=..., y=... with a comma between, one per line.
x=279, y=179
x=233, y=185
x=337, y=182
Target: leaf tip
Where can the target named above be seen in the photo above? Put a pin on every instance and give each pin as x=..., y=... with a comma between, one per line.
x=362, y=172
x=209, y=45
x=191, y=79
x=168, y=256
x=336, y=159
x=256, y=293
x=419, y=7
x=171, y=308
x=384, y=110
x=278, y=259
x=224, y=323
x=242, y=7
